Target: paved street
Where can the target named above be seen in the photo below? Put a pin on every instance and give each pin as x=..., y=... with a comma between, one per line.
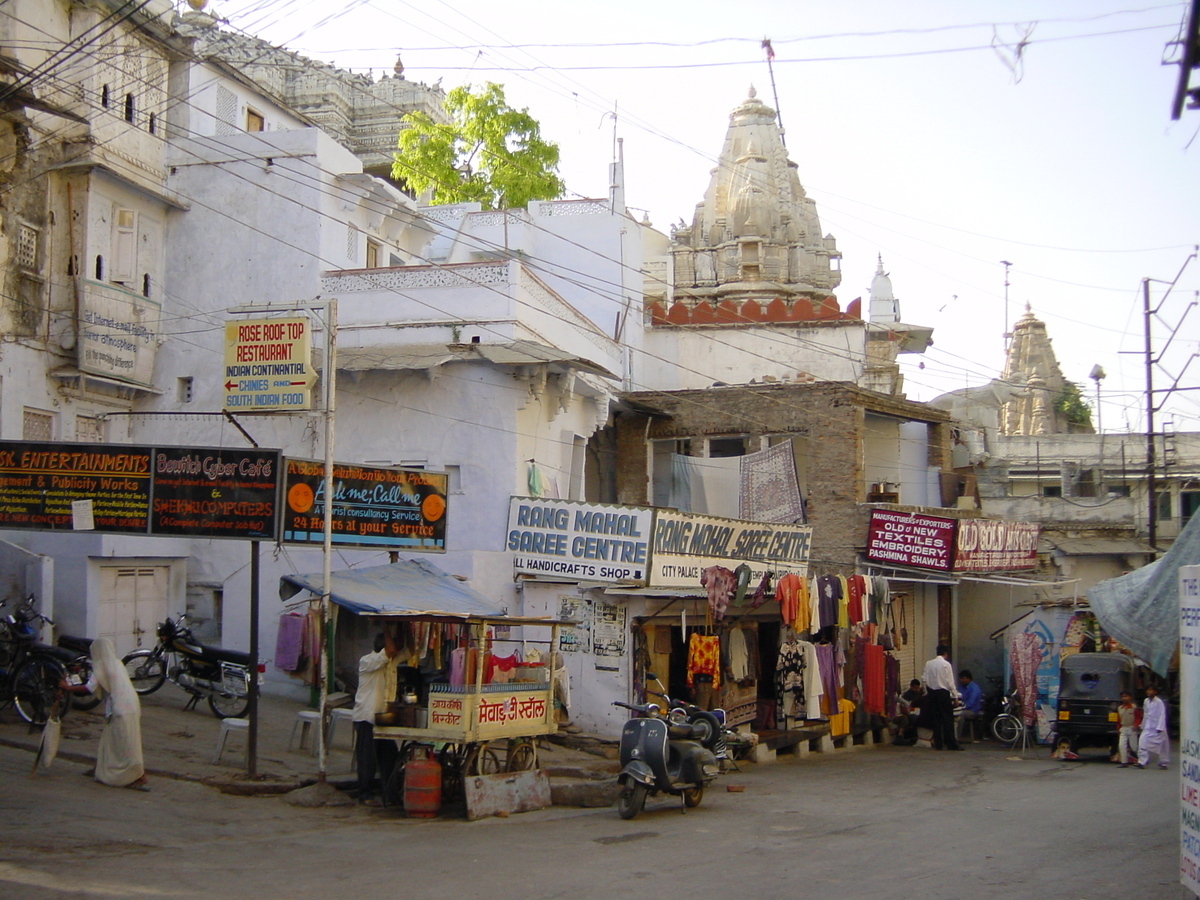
x=885, y=823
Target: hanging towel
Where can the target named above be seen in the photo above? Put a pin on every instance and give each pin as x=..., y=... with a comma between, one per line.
x=289, y=642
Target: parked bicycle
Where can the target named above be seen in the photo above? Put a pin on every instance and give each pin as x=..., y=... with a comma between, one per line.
x=30, y=671
x=1009, y=726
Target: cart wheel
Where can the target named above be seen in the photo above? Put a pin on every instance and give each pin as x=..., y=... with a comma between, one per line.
x=481, y=760
x=522, y=755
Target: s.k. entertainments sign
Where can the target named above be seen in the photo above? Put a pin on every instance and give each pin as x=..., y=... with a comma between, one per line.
x=684, y=545
x=208, y=492
x=587, y=541
x=951, y=545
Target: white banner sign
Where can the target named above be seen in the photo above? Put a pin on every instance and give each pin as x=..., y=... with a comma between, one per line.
x=579, y=541
x=684, y=545
x=118, y=333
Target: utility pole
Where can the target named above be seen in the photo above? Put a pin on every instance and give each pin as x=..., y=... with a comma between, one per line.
x=1152, y=501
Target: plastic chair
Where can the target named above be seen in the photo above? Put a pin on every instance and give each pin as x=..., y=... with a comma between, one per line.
x=335, y=716
x=307, y=721
x=228, y=727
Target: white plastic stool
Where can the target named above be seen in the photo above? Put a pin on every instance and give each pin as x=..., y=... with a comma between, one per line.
x=306, y=721
x=335, y=716
x=228, y=727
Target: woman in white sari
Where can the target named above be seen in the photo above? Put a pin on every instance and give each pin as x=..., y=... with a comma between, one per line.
x=119, y=757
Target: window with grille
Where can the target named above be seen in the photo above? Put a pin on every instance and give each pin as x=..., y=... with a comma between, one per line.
x=351, y=242
x=89, y=429
x=37, y=426
x=27, y=247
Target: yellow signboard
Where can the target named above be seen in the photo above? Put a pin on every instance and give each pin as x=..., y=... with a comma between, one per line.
x=268, y=364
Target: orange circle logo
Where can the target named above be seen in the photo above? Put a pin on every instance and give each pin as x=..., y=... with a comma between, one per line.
x=433, y=508
x=300, y=497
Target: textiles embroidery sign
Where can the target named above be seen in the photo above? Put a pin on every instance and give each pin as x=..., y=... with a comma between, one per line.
x=579, y=540
x=684, y=545
x=910, y=540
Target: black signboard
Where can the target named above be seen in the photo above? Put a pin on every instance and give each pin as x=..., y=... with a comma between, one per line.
x=202, y=492
x=215, y=493
x=383, y=508
x=38, y=483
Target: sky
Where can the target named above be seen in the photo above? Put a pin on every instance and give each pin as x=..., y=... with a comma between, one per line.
x=944, y=137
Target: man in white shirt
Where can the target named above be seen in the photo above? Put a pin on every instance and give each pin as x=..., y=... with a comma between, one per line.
x=941, y=692
x=376, y=688
x=1154, y=738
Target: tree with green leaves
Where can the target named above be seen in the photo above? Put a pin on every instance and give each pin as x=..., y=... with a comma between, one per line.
x=1073, y=407
x=490, y=153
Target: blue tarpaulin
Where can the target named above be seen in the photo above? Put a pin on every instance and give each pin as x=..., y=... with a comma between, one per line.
x=405, y=588
x=1141, y=609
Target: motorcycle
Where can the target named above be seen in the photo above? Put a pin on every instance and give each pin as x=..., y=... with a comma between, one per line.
x=19, y=631
x=222, y=676
x=658, y=757
x=709, y=724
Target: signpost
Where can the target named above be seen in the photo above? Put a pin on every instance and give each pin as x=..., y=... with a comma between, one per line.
x=268, y=365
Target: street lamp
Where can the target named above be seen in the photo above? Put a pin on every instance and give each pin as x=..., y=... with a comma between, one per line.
x=1097, y=376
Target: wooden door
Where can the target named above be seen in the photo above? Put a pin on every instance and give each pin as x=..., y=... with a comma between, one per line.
x=133, y=600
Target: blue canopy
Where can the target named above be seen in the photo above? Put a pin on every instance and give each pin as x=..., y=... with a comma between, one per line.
x=410, y=587
x=1141, y=609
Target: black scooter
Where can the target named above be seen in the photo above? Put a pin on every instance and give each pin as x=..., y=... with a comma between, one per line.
x=658, y=757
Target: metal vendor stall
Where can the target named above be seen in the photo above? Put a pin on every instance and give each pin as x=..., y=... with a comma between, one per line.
x=476, y=716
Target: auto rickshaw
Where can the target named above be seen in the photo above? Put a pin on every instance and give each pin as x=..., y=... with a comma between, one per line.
x=1090, y=687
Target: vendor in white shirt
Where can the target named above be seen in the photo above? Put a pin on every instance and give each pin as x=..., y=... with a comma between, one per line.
x=941, y=692
x=376, y=688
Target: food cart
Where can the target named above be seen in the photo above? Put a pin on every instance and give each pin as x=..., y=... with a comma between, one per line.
x=478, y=718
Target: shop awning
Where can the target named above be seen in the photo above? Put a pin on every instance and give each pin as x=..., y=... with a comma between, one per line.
x=412, y=587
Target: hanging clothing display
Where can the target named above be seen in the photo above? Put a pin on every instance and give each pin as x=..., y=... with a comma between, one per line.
x=760, y=592
x=704, y=658
x=873, y=679
x=720, y=583
x=792, y=594
x=830, y=589
x=742, y=577
x=739, y=660
x=856, y=589
x=828, y=662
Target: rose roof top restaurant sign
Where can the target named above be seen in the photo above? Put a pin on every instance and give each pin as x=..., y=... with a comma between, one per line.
x=167, y=491
x=951, y=545
x=583, y=541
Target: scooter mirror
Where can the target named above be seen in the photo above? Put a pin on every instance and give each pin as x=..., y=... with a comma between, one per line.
x=651, y=676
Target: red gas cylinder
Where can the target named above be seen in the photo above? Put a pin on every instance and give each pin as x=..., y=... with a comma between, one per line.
x=423, y=787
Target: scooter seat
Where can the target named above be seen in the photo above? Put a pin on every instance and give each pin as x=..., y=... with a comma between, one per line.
x=689, y=732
